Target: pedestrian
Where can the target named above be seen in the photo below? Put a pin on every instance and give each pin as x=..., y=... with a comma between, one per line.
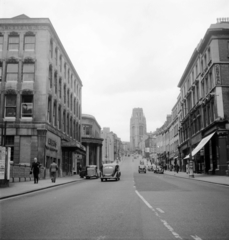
x=35, y=169
x=178, y=168
x=53, y=169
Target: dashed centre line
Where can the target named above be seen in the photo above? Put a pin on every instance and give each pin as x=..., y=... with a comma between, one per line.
x=160, y=210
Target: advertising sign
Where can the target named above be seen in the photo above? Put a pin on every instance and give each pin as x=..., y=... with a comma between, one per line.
x=2, y=162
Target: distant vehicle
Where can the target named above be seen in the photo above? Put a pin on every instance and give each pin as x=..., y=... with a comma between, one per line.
x=90, y=171
x=142, y=167
x=159, y=169
x=110, y=171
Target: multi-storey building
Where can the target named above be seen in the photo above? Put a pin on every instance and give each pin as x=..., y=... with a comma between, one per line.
x=40, y=94
x=137, y=128
x=91, y=139
x=204, y=88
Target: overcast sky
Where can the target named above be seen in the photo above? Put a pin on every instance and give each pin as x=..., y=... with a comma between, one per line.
x=128, y=53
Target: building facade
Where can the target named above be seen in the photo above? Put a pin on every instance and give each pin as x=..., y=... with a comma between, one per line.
x=92, y=141
x=40, y=95
x=137, y=129
x=204, y=87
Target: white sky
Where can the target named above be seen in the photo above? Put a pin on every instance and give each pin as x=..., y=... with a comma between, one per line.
x=128, y=53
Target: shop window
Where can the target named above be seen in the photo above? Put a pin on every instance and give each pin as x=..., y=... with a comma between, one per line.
x=10, y=143
x=28, y=72
x=13, y=44
x=29, y=43
x=12, y=72
x=27, y=106
x=10, y=105
x=1, y=42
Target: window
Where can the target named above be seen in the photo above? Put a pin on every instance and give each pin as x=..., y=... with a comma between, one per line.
x=212, y=111
x=0, y=71
x=51, y=48
x=56, y=53
x=67, y=124
x=60, y=85
x=64, y=93
x=28, y=72
x=10, y=105
x=1, y=42
x=59, y=117
x=13, y=43
x=68, y=76
x=54, y=114
x=64, y=121
x=27, y=106
x=68, y=98
x=87, y=130
x=60, y=62
x=209, y=55
x=50, y=76
x=70, y=127
x=12, y=72
x=29, y=44
x=49, y=109
x=72, y=82
x=65, y=70
x=55, y=82
x=71, y=102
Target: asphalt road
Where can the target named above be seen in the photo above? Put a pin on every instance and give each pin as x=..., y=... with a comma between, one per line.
x=140, y=206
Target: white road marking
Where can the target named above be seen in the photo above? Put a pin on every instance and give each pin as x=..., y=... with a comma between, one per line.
x=142, y=198
x=176, y=235
x=196, y=237
x=160, y=210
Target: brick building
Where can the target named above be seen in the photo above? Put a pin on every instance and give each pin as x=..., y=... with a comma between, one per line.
x=204, y=86
x=40, y=94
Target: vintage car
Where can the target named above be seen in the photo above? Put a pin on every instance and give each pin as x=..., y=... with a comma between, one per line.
x=142, y=167
x=159, y=169
x=90, y=171
x=110, y=171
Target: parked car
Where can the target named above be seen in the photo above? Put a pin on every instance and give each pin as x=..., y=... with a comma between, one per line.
x=90, y=171
x=159, y=169
x=110, y=171
x=142, y=167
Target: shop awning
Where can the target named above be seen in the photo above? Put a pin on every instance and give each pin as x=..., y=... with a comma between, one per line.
x=77, y=147
x=200, y=145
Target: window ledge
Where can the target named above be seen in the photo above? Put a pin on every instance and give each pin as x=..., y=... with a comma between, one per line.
x=9, y=119
x=27, y=119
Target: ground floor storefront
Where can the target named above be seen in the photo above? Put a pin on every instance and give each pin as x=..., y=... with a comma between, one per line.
x=209, y=152
x=28, y=140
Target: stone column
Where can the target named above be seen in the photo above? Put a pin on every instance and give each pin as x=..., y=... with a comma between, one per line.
x=97, y=156
x=87, y=154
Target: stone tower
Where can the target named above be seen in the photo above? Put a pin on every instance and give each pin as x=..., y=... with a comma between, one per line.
x=137, y=128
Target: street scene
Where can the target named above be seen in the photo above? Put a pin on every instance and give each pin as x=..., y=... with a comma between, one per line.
x=114, y=119
x=139, y=206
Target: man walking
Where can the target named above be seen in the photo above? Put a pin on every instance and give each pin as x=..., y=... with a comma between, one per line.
x=35, y=169
x=53, y=169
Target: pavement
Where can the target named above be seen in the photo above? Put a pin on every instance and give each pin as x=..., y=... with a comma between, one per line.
x=25, y=187
x=20, y=188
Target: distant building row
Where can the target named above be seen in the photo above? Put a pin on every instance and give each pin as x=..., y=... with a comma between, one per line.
x=199, y=122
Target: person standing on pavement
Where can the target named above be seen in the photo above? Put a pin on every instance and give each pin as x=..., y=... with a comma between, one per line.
x=35, y=169
x=53, y=169
x=178, y=167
